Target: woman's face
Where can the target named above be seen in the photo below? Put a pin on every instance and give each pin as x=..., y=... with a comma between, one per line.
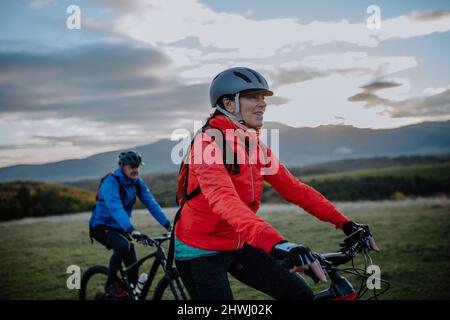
x=252, y=106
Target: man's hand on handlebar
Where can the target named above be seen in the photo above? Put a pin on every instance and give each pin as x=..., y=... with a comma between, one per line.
x=169, y=229
x=301, y=257
x=351, y=227
x=140, y=237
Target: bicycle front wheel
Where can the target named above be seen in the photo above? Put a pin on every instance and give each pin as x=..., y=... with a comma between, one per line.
x=93, y=284
x=170, y=289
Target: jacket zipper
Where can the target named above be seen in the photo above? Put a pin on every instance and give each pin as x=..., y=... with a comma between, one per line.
x=247, y=151
x=253, y=187
x=239, y=241
x=253, y=192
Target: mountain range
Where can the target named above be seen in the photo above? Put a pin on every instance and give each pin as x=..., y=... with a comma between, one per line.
x=298, y=147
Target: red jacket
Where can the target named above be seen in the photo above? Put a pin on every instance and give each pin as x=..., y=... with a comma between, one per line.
x=223, y=216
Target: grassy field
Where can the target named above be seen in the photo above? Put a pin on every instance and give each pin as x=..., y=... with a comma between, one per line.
x=431, y=171
x=413, y=236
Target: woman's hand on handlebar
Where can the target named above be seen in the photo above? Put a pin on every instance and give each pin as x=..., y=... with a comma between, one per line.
x=301, y=257
x=351, y=227
x=314, y=270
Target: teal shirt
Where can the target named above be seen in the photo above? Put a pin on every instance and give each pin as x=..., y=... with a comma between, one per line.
x=185, y=252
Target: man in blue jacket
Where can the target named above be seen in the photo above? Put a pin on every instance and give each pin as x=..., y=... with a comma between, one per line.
x=110, y=223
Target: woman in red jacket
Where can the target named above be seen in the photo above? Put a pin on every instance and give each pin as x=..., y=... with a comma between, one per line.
x=218, y=231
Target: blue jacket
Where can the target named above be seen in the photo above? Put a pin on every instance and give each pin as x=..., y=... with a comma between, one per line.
x=109, y=209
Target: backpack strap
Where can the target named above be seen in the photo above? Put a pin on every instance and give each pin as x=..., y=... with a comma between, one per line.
x=188, y=196
x=98, y=189
x=226, y=149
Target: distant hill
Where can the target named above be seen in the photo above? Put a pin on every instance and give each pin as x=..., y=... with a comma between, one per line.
x=352, y=180
x=349, y=180
x=298, y=147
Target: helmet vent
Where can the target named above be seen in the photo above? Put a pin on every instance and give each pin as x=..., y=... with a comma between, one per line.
x=255, y=74
x=242, y=76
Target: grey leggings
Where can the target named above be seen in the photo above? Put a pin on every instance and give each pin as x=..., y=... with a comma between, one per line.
x=206, y=278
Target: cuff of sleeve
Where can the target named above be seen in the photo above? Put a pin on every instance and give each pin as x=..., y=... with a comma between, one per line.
x=130, y=229
x=273, y=250
x=268, y=238
x=341, y=223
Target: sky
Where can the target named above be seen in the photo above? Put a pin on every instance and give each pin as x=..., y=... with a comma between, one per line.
x=136, y=70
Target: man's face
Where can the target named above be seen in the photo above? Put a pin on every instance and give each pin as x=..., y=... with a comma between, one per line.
x=130, y=171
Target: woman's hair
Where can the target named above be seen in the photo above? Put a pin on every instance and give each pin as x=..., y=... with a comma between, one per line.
x=220, y=100
x=220, y=103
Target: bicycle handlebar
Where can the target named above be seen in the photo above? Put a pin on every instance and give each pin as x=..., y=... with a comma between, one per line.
x=333, y=258
x=356, y=242
x=151, y=241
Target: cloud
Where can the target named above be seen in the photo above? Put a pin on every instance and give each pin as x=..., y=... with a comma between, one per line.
x=101, y=60
x=277, y=100
x=348, y=64
x=106, y=82
x=300, y=74
x=305, y=73
x=144, y=68
x=17, y=146
x=92, y=98
x=436, y=103
x=434, y=91
x=186, y=31
x=324, y=100
x=374, y=86
x=360, y=61
x=124, y=6
x=38, y=4
x=430, y=15
x=415, y=24
x=84, y=140
x=258, y=39
x=370, y=99
x=369, y=96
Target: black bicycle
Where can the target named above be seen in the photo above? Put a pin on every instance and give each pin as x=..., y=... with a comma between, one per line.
x=341, y=288
x=169, y=286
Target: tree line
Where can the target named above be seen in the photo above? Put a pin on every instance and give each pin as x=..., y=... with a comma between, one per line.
x=34, y=199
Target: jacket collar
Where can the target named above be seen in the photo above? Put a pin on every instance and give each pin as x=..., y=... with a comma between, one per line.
x=223, y=123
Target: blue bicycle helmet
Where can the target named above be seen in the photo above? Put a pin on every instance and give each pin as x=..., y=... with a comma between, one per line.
x=131, y=158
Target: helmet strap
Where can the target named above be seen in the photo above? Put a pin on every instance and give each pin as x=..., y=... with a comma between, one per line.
x=236, y=118
x=237, y=102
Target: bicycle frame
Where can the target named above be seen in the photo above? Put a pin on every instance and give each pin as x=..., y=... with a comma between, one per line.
x=160, y=259
x=124, y=272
